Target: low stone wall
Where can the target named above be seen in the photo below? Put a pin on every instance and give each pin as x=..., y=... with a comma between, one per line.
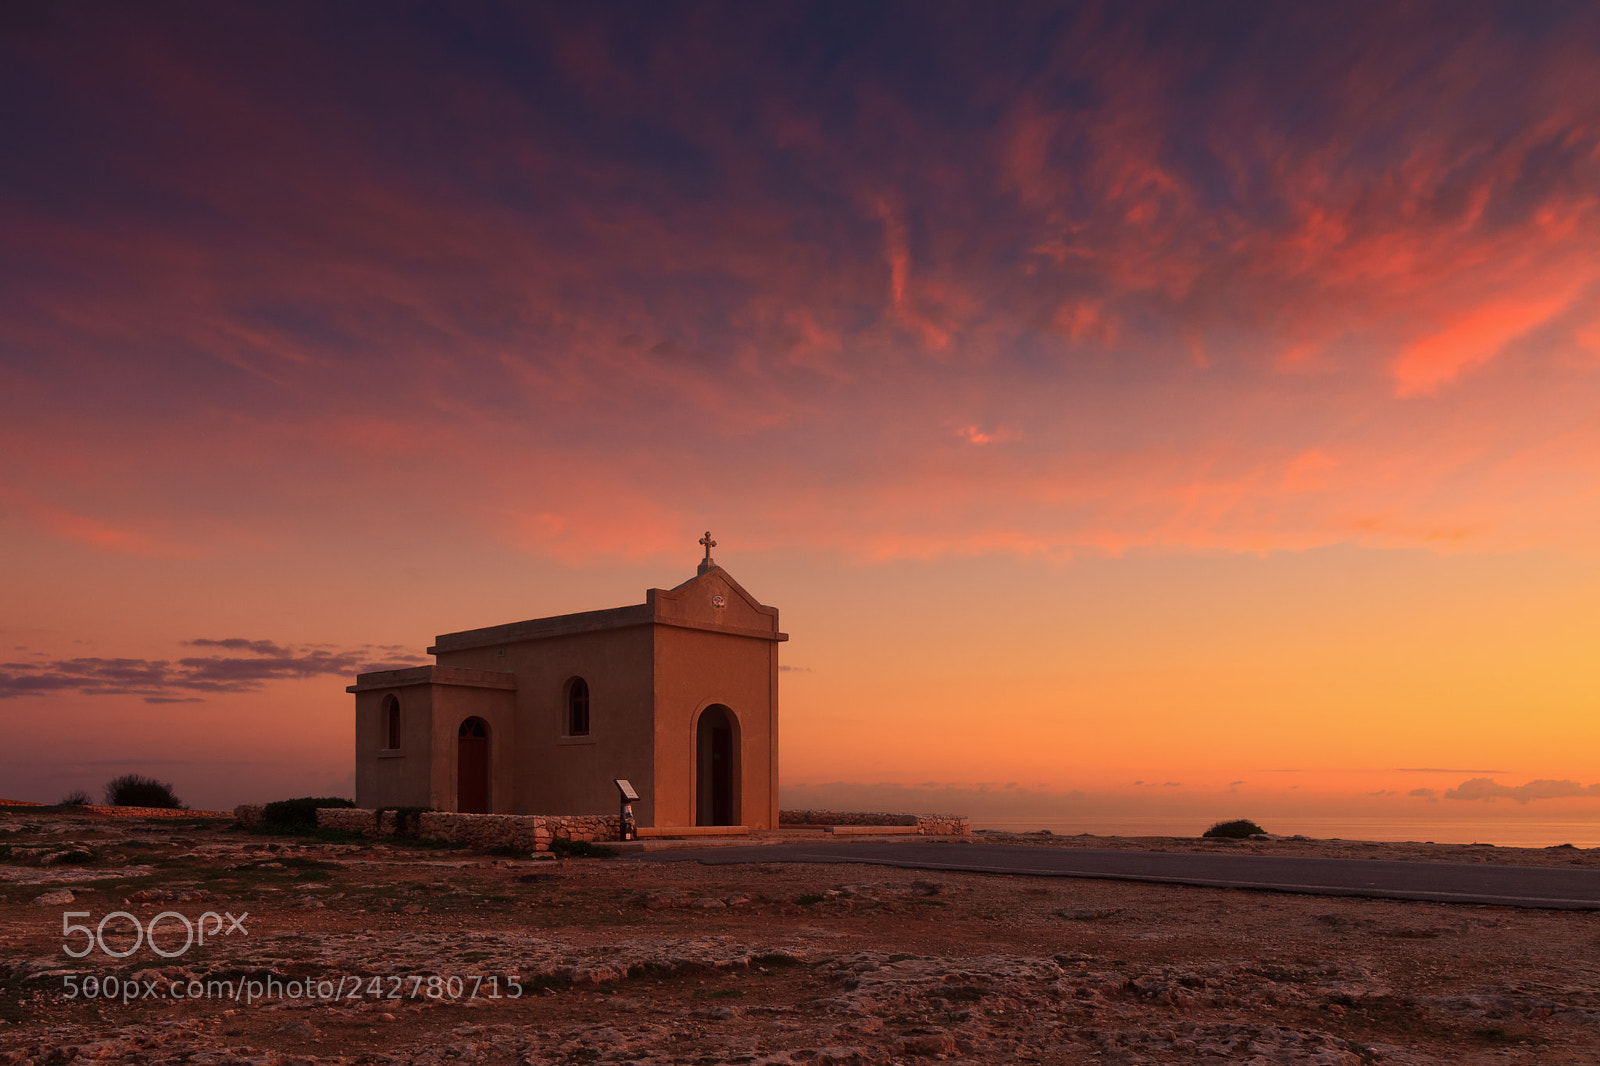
x=531, y=832
x=927, y=824
x=356, y=820
x=108, y=811
x=249, y=815
x=844, y=818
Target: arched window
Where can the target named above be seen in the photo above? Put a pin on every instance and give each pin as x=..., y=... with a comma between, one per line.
x=391, y=722
x=577, y=707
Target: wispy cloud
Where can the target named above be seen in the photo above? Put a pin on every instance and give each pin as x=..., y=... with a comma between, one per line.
x=1251, y=286
x=173, y=680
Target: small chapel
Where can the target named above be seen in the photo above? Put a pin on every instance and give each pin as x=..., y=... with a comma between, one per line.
x=678, y=696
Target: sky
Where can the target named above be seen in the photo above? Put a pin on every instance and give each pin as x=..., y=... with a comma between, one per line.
x=1178, y=410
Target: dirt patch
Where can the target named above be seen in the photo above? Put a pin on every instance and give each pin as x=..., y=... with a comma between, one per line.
x=373, y=953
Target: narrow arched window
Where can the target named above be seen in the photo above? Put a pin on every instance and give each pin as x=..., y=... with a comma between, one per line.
x=577, y=707
x=391, y=722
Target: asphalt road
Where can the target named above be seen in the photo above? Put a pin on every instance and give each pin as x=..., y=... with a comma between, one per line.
x=1483, y=883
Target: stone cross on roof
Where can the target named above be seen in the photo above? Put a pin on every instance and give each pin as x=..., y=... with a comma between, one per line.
x=706, y=563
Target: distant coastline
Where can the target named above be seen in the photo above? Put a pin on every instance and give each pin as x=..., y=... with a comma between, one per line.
x=1500, y=832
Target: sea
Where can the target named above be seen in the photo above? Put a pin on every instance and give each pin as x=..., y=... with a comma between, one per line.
x=1502, y=833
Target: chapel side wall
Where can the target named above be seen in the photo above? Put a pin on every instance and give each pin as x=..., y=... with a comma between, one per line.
x=695, y=668
x=454, y=704
x=560, y=774
x=394, y=778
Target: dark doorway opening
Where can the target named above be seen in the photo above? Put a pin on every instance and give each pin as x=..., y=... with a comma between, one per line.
x=717, y=767
x=472, y=767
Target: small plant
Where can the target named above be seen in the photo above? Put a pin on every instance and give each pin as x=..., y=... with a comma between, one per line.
x=135, y=790
x=76, y=798
x=298, y=814
x=810, y=899
x=1239, y=829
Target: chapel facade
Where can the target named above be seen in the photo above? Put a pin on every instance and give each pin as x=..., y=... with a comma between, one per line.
x=677, y=695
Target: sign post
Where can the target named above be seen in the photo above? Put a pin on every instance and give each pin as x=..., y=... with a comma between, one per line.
x=629, y=795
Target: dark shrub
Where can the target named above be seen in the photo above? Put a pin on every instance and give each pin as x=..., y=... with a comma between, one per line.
x=298, y=813
x=1239, y=829
x=581, y=849
x=407, y=821
x=134, y=790
x=76, y=798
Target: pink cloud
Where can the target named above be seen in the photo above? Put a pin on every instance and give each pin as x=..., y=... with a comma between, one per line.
x=1194, y=317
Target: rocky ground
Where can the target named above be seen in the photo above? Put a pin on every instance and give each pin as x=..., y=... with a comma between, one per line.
x=438, y=956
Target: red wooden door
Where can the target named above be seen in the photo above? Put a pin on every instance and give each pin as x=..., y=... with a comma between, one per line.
x=472, y=767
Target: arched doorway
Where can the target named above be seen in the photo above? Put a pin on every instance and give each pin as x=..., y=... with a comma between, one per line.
x=472, y=767
x=717, y=767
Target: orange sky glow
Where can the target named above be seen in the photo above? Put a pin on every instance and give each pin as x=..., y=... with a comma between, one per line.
x=1134, y=412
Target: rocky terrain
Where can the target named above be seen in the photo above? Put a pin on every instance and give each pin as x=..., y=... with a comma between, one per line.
x=352, y=952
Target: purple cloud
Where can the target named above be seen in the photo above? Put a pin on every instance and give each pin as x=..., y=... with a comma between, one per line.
x=164, y=681
x=1487, y=789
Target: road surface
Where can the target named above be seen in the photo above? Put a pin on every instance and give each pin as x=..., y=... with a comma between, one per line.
x=1481, y=883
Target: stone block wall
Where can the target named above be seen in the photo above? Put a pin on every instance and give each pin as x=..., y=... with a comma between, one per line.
x=357, y=820
x=927, y=824
x=137, y=812
x=592, y=827
x=484, y=831
x=844, y=818
x=530, y=832
x=249, y=814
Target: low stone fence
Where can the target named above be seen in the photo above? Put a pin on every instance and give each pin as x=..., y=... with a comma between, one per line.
x=530, y=832
x=927, y=824
x=109, y=811
x=249, y=815
x=844, y=818
x=355, y=820
x=943, y=825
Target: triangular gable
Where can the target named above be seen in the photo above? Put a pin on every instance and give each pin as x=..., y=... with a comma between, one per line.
x=695, y=602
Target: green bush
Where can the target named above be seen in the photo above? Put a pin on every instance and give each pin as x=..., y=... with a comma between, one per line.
x=299, y=813
x=1239, y=829
x=134, y=790
x=76, y=798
